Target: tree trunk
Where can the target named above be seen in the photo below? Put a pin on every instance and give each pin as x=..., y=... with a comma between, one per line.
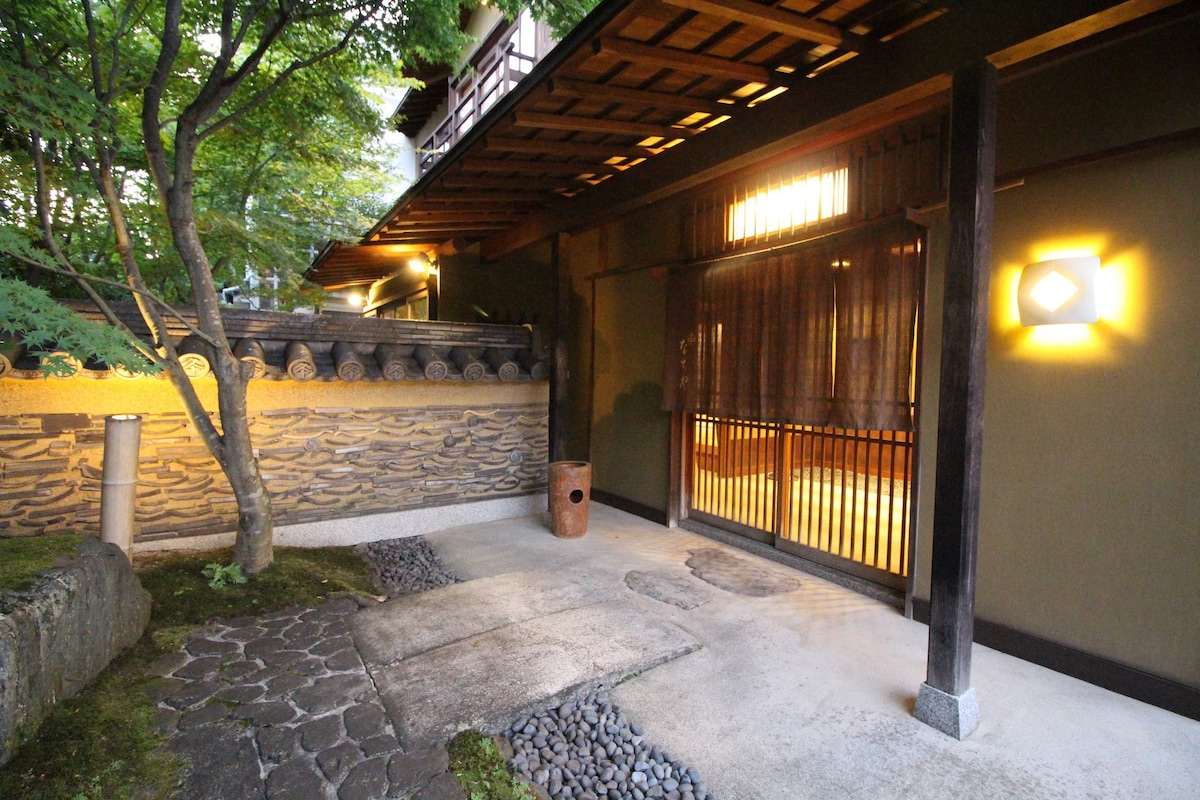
x=253, y=547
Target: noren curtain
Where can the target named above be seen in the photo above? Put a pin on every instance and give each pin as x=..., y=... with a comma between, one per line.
x=818, y=335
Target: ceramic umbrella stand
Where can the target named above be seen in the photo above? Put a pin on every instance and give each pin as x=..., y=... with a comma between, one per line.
x=570, y=487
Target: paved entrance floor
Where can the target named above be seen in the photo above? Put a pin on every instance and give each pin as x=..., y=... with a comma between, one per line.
x=807, y=692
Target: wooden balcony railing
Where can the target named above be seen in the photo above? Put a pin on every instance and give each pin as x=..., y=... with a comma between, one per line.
x=491, y=75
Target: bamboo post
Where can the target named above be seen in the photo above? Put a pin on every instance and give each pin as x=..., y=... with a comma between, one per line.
x=118, y=482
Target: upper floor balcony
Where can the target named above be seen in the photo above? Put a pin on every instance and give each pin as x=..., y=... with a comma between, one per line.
x=494, y=69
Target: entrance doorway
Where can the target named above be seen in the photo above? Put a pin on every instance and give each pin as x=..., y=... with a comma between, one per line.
x=836, y=496
x=796, y=381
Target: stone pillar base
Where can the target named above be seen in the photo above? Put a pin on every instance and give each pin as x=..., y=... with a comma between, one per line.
x=953, y=715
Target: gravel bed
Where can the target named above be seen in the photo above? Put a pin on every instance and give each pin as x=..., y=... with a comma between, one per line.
x=406, y=566
x=587, y=750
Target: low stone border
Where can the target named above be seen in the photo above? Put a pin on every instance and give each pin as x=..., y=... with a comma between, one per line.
x=57, y=637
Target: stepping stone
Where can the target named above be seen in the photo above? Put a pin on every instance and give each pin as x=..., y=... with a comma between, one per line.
x=488, y=679
x=668, y=587
x=738, y=575
x=452, y=613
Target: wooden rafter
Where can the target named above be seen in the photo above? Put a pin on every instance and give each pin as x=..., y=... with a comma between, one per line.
x=537, y=167
x=457, y=180
x=456, y=200
x=564, y=122
x=767, y=18
x=681, y=60
x=566, y=87
x=422, y=234
x=559, y=148
x=423, y=216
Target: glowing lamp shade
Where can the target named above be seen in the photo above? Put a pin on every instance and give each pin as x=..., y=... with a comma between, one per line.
x=1059, y=292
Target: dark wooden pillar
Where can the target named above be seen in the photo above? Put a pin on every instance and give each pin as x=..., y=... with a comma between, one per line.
x=960, y=414
x=560, y=262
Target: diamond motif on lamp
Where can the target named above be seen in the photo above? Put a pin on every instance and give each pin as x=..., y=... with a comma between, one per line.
x=1054, y=290
x=1062, y=291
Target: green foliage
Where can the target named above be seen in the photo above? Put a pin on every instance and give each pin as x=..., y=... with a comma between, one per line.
x=102, y=744
x=220, y=576
x=33, y=316
x=22, y=559
x=481, y=770
x=560, y=15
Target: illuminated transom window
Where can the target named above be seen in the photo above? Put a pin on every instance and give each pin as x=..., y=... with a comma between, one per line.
x=791, y=204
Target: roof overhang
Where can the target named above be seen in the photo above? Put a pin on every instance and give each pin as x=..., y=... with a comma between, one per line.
x=647, y=98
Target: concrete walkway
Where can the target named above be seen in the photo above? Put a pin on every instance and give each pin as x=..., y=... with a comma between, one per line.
x=809, y=693
x=771, y=683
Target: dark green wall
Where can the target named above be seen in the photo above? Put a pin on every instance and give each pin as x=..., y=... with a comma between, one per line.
x=631, y=433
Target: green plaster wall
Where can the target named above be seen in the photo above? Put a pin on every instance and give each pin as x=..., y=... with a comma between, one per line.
x=630, y=432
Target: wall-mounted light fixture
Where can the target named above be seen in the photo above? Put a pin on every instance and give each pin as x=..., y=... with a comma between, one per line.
x=1058, y=292
x=421, y=262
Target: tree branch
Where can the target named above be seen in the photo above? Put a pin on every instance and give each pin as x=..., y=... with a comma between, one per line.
x=153, y=97
x=288, y=71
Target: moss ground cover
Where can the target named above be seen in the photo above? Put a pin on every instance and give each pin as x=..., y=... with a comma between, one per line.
x=21, y=559
x=102, y=744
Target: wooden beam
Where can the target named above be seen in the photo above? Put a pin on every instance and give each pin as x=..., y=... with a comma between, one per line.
x=425, y=216
x=964, y=363
x=682, y=60
x=436, y=235
x=908, y=69
x=490, y=198
x=558, y=148
x=564, y=122
x=562, y=337
x=539, y=167
x=756, y=15
x=459, y=181
x=582, y=90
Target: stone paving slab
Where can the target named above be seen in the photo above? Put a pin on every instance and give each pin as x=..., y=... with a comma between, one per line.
x=281, y=707
x=487, y=680
x=418, y=623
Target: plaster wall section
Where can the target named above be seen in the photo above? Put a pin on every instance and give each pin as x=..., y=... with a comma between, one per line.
x=588, y=255
x=517, y=290
x=1087, y=518
x=1091, y=436
x=630, y=433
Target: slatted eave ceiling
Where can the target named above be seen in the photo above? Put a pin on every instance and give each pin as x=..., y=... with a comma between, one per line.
x=657, y=75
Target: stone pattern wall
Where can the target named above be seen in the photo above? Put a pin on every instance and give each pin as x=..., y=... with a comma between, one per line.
x=58, y=636
x=318, y=463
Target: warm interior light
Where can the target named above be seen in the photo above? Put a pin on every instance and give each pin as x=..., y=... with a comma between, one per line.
x=794, y=203
x=355, y=299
